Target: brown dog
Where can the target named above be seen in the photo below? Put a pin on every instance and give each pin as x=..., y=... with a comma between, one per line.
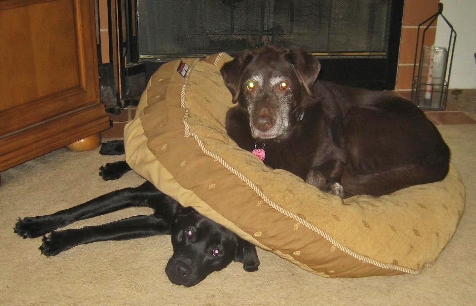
x=338, y=138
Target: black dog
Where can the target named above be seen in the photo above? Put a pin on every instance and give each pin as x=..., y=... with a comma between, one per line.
x=200, y=245
x=338, y=138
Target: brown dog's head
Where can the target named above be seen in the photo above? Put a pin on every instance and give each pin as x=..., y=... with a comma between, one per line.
x=272, y=85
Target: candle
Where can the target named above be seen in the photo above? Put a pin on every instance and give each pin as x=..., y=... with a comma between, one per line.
x=436, y=57
x=429, y=80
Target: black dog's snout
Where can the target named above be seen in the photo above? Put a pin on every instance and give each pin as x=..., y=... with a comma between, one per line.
x=182, y=269
x=181, y=272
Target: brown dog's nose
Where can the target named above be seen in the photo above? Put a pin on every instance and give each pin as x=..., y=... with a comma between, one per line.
x=264, y=121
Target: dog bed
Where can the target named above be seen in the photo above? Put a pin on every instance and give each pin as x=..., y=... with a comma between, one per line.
x=178, y=142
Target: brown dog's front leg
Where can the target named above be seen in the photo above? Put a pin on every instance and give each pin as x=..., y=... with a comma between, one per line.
x=327, y=177
x=238, y=128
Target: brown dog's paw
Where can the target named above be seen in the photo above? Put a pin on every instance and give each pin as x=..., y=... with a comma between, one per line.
x=337, y=189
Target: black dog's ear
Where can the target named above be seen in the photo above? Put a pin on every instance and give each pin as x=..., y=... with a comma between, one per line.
x=246, y=253
x=184, y=211
x=232, y=71
x=307, y=67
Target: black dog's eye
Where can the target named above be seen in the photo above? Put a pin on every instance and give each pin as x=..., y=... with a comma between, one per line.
x=216, y=252
x=189, y=232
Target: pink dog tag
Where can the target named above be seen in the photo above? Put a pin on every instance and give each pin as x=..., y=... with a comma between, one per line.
x=260, y=153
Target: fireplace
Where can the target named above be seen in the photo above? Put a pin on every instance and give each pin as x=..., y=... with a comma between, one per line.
x=356, y=41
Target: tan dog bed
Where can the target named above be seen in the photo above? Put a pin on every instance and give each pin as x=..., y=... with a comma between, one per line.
x=179, y=143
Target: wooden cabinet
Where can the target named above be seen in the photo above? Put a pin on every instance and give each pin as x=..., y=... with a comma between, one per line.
x=49, y=84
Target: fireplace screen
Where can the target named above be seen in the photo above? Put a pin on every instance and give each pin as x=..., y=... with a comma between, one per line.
x=179, y=28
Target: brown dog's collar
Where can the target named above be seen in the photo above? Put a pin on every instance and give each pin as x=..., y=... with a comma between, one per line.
x=300, y=115
x=259, y=152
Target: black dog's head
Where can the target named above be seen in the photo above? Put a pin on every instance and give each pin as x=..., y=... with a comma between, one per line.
x=272, y=85
x=202, y=246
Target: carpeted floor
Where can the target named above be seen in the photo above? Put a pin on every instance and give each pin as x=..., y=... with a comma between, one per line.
x=132, y=272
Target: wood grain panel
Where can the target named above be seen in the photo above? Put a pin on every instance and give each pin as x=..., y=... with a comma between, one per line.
x=49, y=85
x=19, y=147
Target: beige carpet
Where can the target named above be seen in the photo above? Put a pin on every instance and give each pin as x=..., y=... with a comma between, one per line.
x=132, y=272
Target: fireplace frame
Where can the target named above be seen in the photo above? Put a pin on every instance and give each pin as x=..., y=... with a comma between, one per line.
x=131, y=71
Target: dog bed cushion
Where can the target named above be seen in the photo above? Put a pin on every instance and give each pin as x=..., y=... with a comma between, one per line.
x=178, y=142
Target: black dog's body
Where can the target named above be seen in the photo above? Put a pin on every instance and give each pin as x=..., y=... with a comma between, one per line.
x=200, y=245
x=338, y=138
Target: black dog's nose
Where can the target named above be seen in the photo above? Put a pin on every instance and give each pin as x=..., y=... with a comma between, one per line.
x=182, y=270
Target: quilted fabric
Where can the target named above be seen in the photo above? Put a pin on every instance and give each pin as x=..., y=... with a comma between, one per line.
x=179, y=143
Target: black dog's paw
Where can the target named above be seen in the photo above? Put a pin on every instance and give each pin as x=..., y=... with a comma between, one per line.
x=113, y=147
x=108, y=172
x=32, y=227
x=114, y=171
x=54, y=244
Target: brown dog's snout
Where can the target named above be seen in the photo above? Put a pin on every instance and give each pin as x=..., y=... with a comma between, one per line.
x=264, y=120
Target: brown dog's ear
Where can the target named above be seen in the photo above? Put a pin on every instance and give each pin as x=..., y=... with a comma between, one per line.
x=307, y=67
x=246, y=253
x=232, y=71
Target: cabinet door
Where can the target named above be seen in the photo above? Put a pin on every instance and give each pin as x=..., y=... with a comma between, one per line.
x=49, y=84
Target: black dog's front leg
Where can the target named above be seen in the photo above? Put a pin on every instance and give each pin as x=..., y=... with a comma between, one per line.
x=130, y=228
x=31, y=227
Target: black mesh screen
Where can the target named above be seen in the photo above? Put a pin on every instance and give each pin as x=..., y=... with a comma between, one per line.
x=172, y=28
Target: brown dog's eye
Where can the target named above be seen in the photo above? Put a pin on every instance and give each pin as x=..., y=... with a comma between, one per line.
x=283, y=85
x=251, y=85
